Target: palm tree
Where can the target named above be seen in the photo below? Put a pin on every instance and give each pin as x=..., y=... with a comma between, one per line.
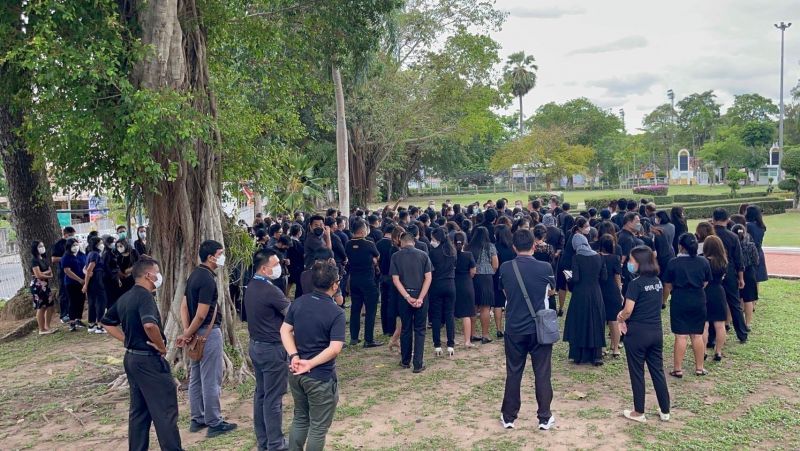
x=303, y=187
x=520, y=75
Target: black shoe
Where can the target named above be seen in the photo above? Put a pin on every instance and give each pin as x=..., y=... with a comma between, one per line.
x=560, y=312
x=597, y=363
x=220, y=429
x=710, y=345
x=474, y=338
x=354, y=342
x=73, y=328
x=717, y=357
x=405, y=366
x=374, y=344
x=743, y=340
x=748, y=329
x=499, y=334
x=485, y=340
x=727, y=328
x=194, y=426
x=418, y=370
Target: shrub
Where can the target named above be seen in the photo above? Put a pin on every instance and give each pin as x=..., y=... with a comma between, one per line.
x=545, y=196
x=768, y=207
x=653, y=190
x=599, y=202
x=687, y=198
x=788, y=185
x=663, y=200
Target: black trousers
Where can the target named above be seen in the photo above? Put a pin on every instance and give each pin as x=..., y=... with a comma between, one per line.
x=412, y=332
x=154, y=399
x=388, y=315
x=272, y=376
x=98, y=300
x=645, y=344
x=76, y=301
x=63, y=298
x=442, y=298
x=518, y=347
x=363, y=293
x=731, y=287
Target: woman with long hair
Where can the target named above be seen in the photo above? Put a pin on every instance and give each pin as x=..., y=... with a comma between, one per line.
x=505, y=252
x=72, y=264
x=94, y=284
x=611, y=288
x=678, y=219
x=756, y=228
x=685, y=279
x=701, y=232
x=465, y=289
x=442, y=294
x=41, y=275
x=394, y=296
x=716, y=305
x=565, y=261
x=486, y=263
x=748, y=294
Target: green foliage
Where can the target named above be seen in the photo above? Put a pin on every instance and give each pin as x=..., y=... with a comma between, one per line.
x=698, y=116
x=692, y=198
x=768, y=207
x=3, y=183
x=791, y=161
x=788, y=185
x=751, y=108
x=302, y=187
x=599, y=202
x=732, y=178
x=519, y=74
x=546, y=195
x=238, y=250
x=587, y=123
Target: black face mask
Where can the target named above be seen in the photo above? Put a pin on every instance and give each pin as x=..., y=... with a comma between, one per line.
x=318, y=231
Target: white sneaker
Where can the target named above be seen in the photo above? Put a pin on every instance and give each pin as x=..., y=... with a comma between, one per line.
x=664, y=416
x=547, y=425
x=451, y=351
x=629, y=415
x=504, y=423
x=92, y=329
x=438, y=351
x=100, y=330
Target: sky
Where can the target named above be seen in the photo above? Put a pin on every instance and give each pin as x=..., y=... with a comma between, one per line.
x=628, y=53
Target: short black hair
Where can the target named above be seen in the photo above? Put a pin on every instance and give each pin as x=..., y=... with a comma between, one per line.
x=413, y=230
x=260, y=234
x=522, y=240
x=631, y=205
x=720, y=214
x=143, y=266
x=605, y=213
x=295, y=228
x=566, y=206
x=324, y=275
x=285, y=240
x=646, y=258
x=539, y=231
x=629, y=217
x=262, y=258
x=275, y=228
x=316, y=218
x=209, y=248
x=372, y=219
x=388, y=228
x=69, y=229
x=330, y=220
x=622, y=203
x=593, y=212
x=358, y=225
x=407, y=238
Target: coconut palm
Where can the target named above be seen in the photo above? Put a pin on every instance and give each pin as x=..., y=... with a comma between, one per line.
x=520, y=75
x=303, y=188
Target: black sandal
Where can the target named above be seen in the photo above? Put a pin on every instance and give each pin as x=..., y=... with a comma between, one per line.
x=702, y=372
x=676, y=373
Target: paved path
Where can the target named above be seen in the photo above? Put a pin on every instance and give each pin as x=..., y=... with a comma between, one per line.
x=783, y=261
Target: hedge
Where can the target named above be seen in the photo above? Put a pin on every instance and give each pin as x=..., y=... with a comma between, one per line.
x=666, y=202
x=599, y=202
x=653, y=190
x=738, y=201
x=687, y=198
x=545, y=196
x=769, y=207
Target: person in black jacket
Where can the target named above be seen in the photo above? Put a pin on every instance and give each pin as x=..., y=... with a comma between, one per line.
x=734, y=278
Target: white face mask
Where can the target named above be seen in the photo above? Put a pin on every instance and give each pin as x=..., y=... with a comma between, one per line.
x=75, y=248
x=221, y=260
x=276, y=272
x=159, y=280
x=434, y=244
x=41, y=250
x=120, y=249
x=101, y=247
x=142, y=235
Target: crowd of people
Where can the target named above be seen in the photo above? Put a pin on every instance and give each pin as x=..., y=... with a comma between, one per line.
x=428, y=267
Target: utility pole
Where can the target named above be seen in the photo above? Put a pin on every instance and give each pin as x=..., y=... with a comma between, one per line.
x=783, y=26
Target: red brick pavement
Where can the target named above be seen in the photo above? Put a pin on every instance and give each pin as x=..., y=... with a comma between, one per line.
x=783, y=262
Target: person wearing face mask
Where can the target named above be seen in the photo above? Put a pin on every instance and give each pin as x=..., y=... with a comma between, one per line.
x=141, y=245
x=628, y=239
x=318, y=237
x=42, y=275
x=135, y=321
x=362, y=257
x=200, y=310
x=94, y=284
x=58, y=250
x=122, y=232
x=281, y=248
x=73, y=263
x=267, y=305
x=126, y=258
x=443, y=291
x=295, y=256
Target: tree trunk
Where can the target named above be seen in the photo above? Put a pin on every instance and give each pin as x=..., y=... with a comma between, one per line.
x=365, y=158
x=187, y=210
x=520, y=117
x=258, y=204
x=29, y=195
x=342, y=161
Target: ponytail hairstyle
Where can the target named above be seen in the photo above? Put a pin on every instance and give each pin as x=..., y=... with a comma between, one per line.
x=539, y=231
x=689, y=243
x=459, y=239
x=740, y=231
x=579, y=224
x=447, y=247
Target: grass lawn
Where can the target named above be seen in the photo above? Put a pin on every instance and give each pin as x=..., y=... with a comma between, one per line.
x=782, y=230
x=750, y=400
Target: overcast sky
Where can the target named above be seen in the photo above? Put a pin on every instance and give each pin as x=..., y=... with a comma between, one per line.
x=628, y=53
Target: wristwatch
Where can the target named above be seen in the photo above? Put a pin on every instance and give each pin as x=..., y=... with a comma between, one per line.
x=291, y=356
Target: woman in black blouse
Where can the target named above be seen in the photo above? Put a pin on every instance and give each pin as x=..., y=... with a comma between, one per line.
x=465, y=290
x=42, y=274
x=640, y=321
x=442, y=297
x=611, y=288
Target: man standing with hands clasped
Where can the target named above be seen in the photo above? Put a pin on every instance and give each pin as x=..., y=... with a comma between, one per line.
x=135, y=321
x=313, y=334
x=411, y=274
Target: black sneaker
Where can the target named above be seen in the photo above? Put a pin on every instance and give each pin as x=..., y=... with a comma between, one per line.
x=374, y=344
x=194, y=426
x=419, y=370
x=220, y=429
x=354, y=342
x=560, y=312
x=80, y=324
x=499, y=334
x=73, y=328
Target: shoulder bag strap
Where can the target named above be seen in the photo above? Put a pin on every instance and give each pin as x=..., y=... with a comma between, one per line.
x=522, y=287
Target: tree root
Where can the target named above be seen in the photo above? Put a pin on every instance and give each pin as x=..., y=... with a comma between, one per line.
x=98, y=365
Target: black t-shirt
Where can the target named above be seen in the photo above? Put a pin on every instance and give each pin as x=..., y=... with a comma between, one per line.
x=201, y=288
x=411, y=265
x=59, y=249
x=317, y=321
x=421, y=246
x=386, y=249
x=266, y=308
x=464, y=262
x=443, y=266
x=627, y=241
x=312, y=244
x=536, y=275
x=375, y=235
x=360, y=255
x=687, y=272
x=132, y=311
x=646, y=292
x=337, y=247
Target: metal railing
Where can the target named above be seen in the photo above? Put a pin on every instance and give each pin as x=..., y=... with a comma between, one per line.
x=11, y=276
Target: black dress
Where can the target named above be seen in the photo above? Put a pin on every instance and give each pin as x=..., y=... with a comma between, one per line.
x=715, y=297
x=757, y=235
x=465, y=290
x=612, y=298
x=584, y=328
x=687, y=311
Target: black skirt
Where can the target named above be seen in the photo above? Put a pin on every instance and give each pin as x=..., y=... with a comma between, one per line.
x=715, y=302
x=750, y=291
x=484, y=290
x=465, y=296
x=687, y=312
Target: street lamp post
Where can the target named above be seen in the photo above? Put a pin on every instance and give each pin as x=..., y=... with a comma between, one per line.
x=783, y=26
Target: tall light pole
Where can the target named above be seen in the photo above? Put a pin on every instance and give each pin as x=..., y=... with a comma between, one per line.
x=782, y=27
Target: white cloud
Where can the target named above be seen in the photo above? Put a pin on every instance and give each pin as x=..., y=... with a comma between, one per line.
x=626, y=43
x=551, y=12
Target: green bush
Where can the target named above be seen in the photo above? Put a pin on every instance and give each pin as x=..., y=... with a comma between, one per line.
x=599, y=202
x=688, y=198
x=545, y=196
x=745, y=199
x=663, y=200
x=768, y=207
x=788, y=185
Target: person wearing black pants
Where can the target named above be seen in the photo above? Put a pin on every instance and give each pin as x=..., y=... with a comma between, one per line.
x=411, y=274
x=443, y=290
x=388, y=292
x=362, y=256
x=134, y=319
x=518, y=348
x=734, y=278
x=640, y=320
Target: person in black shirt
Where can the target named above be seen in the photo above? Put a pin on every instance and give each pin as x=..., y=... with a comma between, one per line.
x=58, y=251
x=443, y=291
x=135, y=321
x=199, y=312
x=318, y=237
x=414, y=231
x=362, y=256
x=386, y=248
x=141, y=244
x=734, y=278
x=281, y=248
x=627, y=240
x=411, y=275
x=41, y=280
x=640, y=321
x=313, y=335
x=375, y=233
x=295, y=256
x=267, y=307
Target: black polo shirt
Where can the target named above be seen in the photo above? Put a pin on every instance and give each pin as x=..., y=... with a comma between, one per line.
x=386, y=249
x=201, y=288
x=411, y=265
x=536, y=275
x=317, y=321
x=360, y=255
x=375, y=235
x=132, y=311
x=266, y=308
